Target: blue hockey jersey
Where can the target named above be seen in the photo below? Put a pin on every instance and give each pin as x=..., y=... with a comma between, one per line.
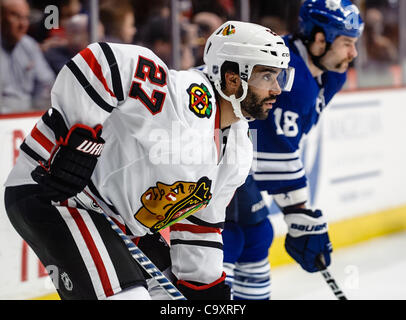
x=277, y=167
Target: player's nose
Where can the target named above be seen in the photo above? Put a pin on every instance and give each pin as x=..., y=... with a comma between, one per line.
x=353, y=52
x=275, y=90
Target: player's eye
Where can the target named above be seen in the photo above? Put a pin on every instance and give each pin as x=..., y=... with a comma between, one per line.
x=268, y=76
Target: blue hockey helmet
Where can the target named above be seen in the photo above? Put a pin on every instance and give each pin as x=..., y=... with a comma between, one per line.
x=334, y=17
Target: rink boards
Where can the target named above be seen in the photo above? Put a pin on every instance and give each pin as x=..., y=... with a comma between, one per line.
x=354, y=159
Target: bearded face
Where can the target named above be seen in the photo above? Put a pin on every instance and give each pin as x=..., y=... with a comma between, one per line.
x=342, y=52
x=263, y=88
x=256, y=106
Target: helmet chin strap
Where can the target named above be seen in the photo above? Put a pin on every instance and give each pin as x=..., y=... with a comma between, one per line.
x=235, y=103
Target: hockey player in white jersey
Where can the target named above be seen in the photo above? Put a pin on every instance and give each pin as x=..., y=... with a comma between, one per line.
x=153, y=146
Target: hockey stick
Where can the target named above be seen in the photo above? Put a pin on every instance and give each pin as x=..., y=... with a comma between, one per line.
x=139, y=256
x=321, y=265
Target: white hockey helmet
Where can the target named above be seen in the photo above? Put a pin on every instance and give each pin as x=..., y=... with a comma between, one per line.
x=248, y=45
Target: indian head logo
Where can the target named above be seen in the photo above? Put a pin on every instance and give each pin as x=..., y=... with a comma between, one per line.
x=164, y=205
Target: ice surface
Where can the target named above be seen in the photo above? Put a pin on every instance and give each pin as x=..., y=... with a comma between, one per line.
x=372, y=270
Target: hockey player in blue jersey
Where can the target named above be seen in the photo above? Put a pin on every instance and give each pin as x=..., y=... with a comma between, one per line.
x=320, y=53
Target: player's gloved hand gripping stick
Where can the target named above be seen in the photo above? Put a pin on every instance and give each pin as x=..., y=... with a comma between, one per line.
x=307, y=237
x=308, y=243
x=68, y=172
x=71, y=163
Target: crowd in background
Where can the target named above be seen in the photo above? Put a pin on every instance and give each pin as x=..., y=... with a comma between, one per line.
x=32, y=54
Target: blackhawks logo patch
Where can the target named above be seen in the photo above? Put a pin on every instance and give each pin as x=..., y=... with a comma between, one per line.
x=228, y=30
x=199, y=100
x=164, y=205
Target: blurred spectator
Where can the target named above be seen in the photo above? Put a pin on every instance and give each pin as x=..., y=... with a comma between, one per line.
x=207, y=23
x=117, y=18
x=26, y=78
x=276, y=24
x=379, y=52
x=188, y=45
x=379, y=47
x=279, y=15
x=77, y=39
x=156, y=35
x=144, y=10
x=225, y=9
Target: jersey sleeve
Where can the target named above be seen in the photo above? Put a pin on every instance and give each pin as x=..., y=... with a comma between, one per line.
x=197, y=245
x=277, y=166
x=332, y=83
x=87, y=89
x=196, y=248
x=89, y=86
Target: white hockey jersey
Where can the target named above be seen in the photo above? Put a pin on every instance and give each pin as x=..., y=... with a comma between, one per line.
x=164, y=158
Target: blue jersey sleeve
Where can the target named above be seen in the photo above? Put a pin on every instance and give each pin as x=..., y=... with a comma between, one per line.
x=331, y=83
x=278, y=167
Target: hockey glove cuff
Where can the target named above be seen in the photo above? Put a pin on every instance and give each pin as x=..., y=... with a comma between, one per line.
x=155, y=247
x=71, y=163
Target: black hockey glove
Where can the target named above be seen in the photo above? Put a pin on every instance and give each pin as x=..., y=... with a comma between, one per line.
x=217, y=290
x=155, y=247
x=71, y=163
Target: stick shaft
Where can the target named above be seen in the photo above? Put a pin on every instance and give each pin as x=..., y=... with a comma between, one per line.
x=140, y=257
x=329, y=278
